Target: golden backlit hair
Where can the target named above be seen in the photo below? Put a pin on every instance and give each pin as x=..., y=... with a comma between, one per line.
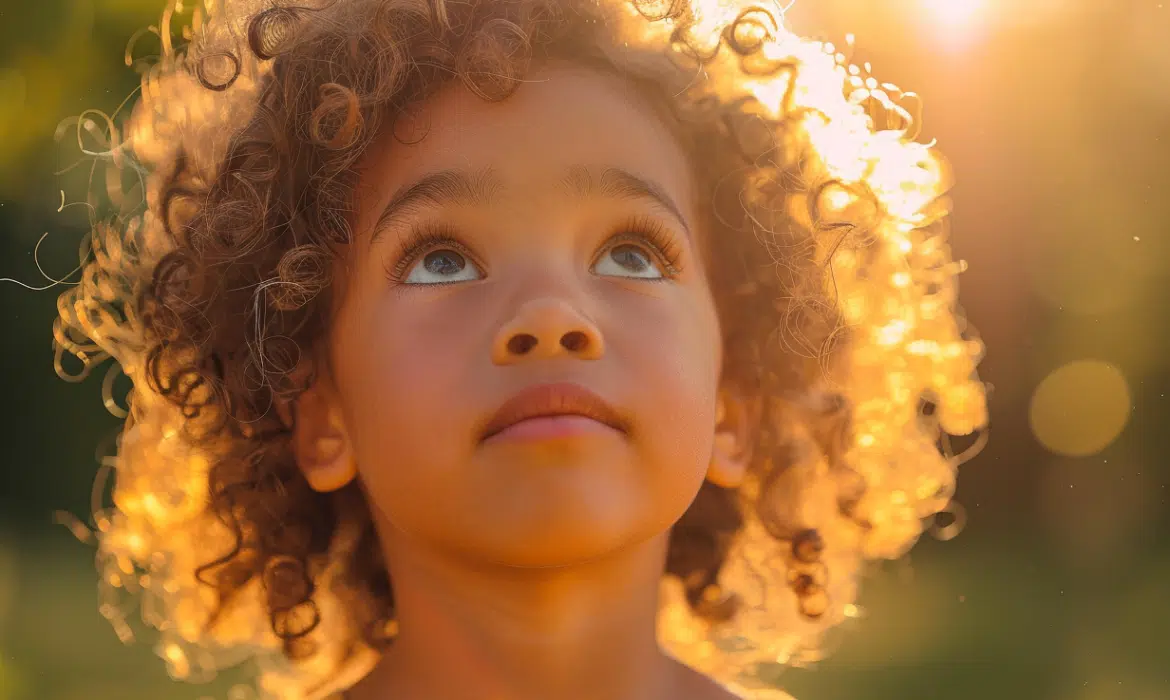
x=847, y=329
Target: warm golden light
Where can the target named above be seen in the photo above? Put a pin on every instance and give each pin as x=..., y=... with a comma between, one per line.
x=954, y=14
x=895, y=288
x=1080, y=408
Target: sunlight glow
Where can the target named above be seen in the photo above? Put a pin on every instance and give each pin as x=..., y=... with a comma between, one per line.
x=955, y=14
x=893, y=279
x=954, y=23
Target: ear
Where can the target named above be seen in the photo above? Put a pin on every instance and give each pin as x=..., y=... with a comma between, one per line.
x=321, y=443
x=734, y=434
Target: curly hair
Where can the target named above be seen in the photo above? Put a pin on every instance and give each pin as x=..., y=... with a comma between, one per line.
x=832, y=278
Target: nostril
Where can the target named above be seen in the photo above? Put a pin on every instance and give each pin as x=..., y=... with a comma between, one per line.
x=521, y=343
x=574, y=341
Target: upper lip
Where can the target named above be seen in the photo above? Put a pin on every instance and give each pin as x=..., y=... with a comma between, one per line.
x=559, y=399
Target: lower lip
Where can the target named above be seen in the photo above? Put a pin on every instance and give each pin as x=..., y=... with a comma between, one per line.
x=545, y=428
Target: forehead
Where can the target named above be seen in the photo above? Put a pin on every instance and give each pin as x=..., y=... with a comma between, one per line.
x=561, y=118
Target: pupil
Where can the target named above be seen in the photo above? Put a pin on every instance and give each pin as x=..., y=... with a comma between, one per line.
x=443, y=262
x=631, y=258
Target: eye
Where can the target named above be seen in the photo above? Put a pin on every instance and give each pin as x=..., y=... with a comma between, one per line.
x=628, y=260
x=442, y=266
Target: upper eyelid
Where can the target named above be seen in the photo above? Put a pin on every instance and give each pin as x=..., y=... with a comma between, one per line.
x=419, y=238
x=622, y=237
x=670, y=256
x=422, y=238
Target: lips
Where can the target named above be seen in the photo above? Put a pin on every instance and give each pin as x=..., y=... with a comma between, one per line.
x=552, y=400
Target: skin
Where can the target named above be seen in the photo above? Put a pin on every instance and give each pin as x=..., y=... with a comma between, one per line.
x=531, y=567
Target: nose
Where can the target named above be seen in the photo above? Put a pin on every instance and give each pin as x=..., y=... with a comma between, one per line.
x=545, y=328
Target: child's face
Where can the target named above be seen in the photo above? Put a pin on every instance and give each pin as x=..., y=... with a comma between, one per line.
x=536, y=290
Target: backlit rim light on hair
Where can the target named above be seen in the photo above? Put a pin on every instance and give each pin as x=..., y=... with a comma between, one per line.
x=907, y=344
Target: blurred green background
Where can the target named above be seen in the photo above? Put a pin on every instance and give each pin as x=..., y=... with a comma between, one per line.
x=1056, y=117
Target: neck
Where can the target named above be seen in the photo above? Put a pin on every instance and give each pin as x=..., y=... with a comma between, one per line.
x=470, y=630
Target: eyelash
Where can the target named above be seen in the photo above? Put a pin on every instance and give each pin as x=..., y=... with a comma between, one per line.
x=639, y=230
x=650, y=232
x=422, y=239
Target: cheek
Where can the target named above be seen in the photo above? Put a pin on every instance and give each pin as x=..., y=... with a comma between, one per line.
x=415, y=378
x=674, y=355
x=404, y=383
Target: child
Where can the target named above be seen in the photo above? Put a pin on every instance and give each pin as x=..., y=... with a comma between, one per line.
x=519, y=349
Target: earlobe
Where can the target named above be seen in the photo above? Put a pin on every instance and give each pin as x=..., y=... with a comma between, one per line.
x=320, y=442
x=329, y=465
x=731, y=452
x=727, y=467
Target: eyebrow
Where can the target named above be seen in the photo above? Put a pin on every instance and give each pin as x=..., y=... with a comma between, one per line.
x=483, y=188
x=621, y=184
x=446, y=187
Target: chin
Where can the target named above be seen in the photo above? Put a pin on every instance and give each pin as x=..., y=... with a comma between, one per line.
x=562, y=548
x=545, y=508
x=559, y=528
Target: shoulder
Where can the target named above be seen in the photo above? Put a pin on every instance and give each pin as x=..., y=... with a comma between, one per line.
x=718, y=692
x=700, y=687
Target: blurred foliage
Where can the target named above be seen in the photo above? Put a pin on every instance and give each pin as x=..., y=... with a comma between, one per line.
x=56, y=57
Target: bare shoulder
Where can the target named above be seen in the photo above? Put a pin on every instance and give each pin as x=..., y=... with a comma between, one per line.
x=696, y=686
x=714, y=691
